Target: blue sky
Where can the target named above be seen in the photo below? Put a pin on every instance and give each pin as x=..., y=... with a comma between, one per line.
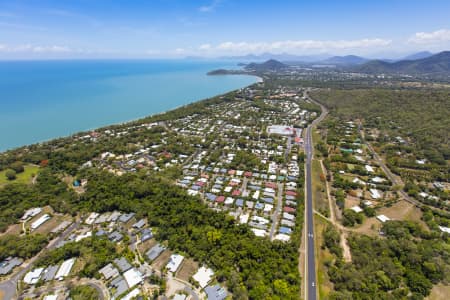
x=176, y=28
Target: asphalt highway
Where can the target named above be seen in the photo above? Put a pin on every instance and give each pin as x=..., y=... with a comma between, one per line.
x=311, y=286
x=310, y=254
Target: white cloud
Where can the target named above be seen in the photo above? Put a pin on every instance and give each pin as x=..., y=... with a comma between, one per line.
x=210, y=7
x=205, y=47
x=442, y=35
x=296, y=45
x=34, y=49
x=53, y=49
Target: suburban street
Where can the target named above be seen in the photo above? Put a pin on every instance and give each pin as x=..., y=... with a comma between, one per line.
x=9, y=286
x=277, y=211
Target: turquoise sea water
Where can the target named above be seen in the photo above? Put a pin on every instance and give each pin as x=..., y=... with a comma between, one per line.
x=41, y=100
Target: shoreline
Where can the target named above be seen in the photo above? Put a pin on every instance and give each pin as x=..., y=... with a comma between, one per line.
x=72, y=135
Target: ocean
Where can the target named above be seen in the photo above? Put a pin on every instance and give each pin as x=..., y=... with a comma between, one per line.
x=41, y=100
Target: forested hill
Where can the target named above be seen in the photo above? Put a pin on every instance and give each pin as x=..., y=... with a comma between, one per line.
x=419, y=115
x=435, y=64
x=344, y=60
x=270, y=65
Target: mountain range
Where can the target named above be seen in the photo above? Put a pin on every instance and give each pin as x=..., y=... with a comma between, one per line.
x=325, y=59
x=435, y=64
x=285, y=57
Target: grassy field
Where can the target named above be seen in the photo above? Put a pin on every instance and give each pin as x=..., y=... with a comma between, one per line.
x=24, y=177
x=439, y=292
x=318, y=190
x=322, y=255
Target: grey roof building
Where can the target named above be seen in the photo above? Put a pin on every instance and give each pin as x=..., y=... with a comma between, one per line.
x=126, y=217
x=139, y=224
x=9, y=264
x=109, y=271
x=216, y=292
x=115, y=236
x=120, y=285
x=49, y=273
x=146, y=234
x=122, y=264
x=155, y=251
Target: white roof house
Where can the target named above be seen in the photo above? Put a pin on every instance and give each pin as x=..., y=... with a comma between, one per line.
x=358, y=181
x=383, y=218
x=375, y=194
x=288, y=216
x=268, y=207
x=203, y=276
x=132, y=294
x=259, y=232
x=90, y=220
x=378, y=179
x=31, y=213
x=229, y=201
x=32, y=277
x=192, y=192
x=356, y=209
x=367, y=203
x=444, y=229
x=174, y=262
x=51, y=297
x=369, y=169
x=282, y=237
x=132, y=277
x=243, y=219
x=44, y=218
x=83, y=236
x=65, y=268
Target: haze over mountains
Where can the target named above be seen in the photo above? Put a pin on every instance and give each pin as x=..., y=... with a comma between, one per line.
x=320, y=58
x=426, y=63
x=435, y=64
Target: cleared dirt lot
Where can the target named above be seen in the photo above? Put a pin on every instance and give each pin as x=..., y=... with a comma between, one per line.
x=162, y=260
x=439, y=292
x=188, y=268
x=143, y=247
x=402, y=210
